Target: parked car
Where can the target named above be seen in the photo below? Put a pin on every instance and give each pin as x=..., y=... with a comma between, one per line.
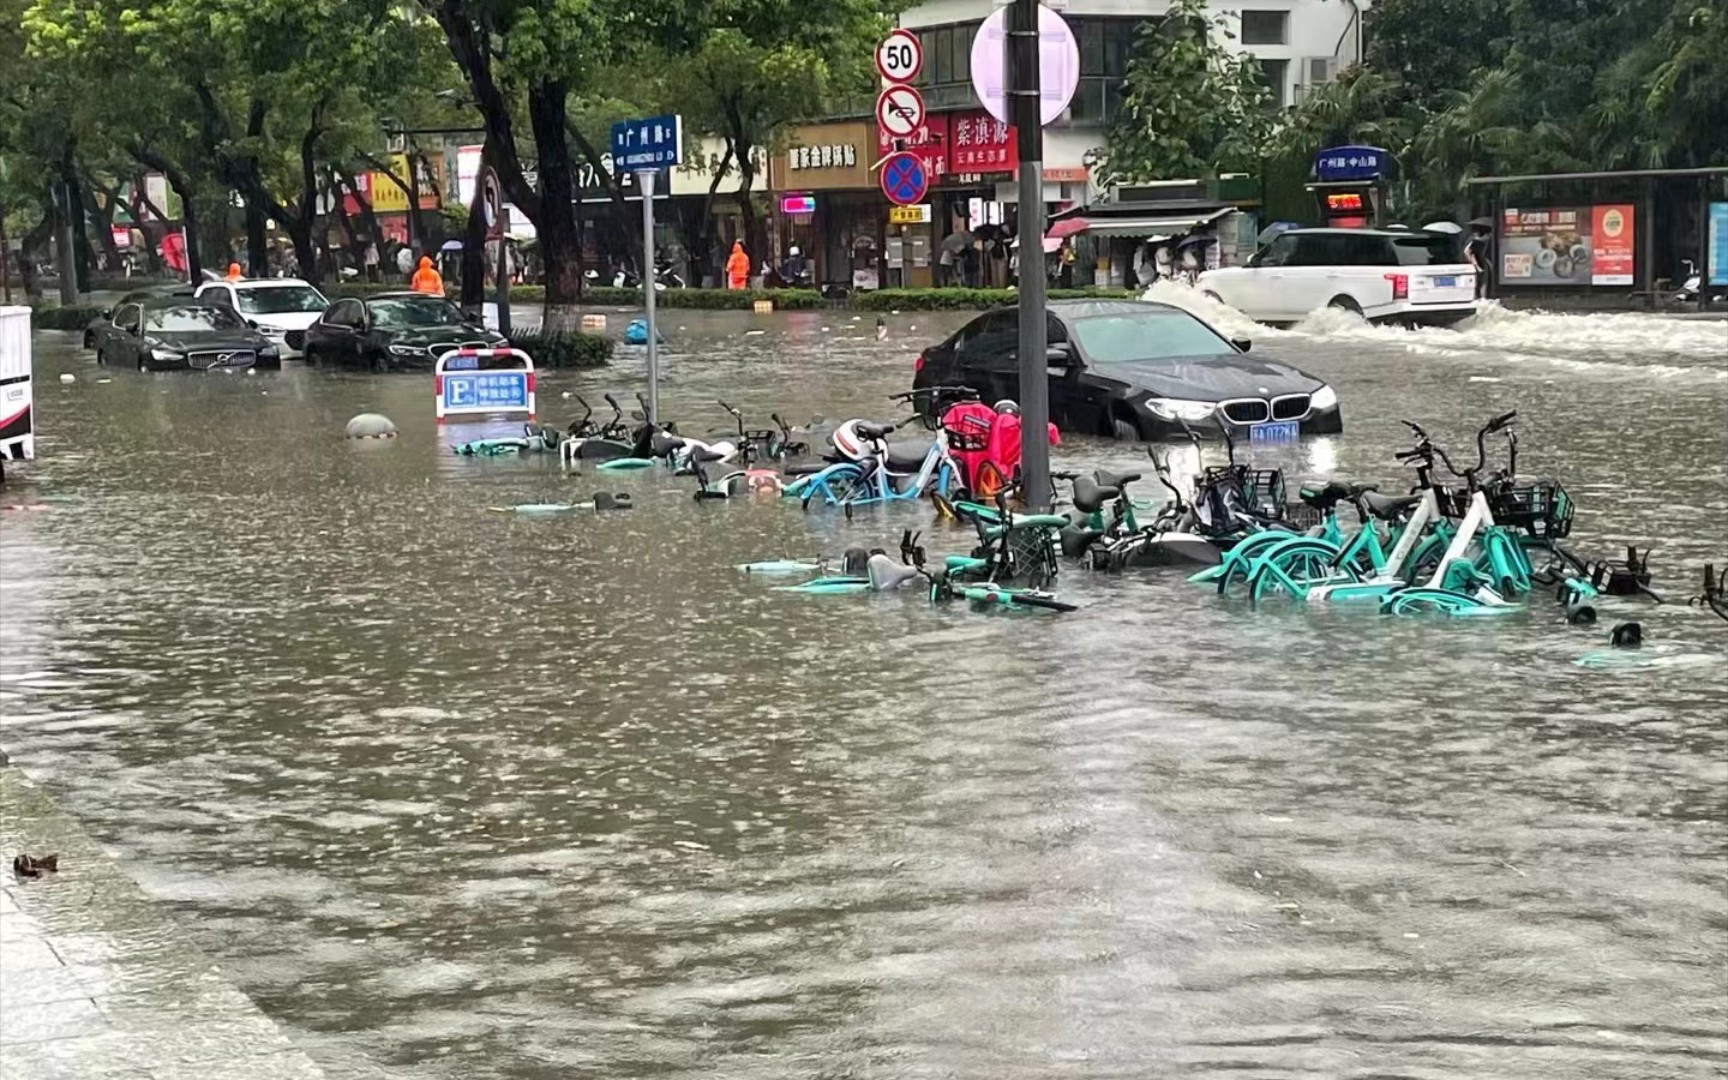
x=395, y=331
x=1385, y=276
x=1137, y=370
x=98, y=330
x=281, y=308
x=184, y=333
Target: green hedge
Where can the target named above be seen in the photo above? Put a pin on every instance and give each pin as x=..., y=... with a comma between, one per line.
x=710, y=299
x=66, y=318
x=966, y=299
x=564, y=350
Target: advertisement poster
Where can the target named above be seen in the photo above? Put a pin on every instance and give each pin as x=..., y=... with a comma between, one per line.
x=1545, y=247
x=1611, y=236
x=1718, y=246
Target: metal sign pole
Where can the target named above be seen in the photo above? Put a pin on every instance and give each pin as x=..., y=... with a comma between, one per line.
x=502, y=294
x=645, y=180
x=1024, y=106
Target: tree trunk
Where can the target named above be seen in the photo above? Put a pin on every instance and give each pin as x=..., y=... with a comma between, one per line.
x=474, y=251
x=102, y=213
x=755, y=232
x=30, y=247
x=614, y=191
x=560, y=241
x=152, y=223
x=369, y=219
x=182, y=185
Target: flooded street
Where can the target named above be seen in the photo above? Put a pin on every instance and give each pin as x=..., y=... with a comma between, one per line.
x=455, y=794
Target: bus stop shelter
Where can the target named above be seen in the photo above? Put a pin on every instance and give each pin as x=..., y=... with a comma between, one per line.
x=1611, y=239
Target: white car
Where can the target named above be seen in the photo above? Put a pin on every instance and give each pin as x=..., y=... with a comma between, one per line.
x=1385, y=276
x=281, y=308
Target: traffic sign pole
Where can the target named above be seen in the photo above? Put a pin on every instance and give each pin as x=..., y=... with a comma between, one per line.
x=1025, y=108
x=645, y=178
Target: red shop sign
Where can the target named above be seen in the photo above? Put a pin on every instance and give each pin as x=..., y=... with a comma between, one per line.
x=981, y=143
x=928, y=142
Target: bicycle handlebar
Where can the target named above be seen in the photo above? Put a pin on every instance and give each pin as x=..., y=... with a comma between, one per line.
x=612, y=401
x=729, y=408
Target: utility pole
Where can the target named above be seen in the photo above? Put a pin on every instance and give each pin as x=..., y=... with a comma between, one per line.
x=1024, y=105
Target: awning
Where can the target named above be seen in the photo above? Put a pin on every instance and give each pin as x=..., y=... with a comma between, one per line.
x=1149, y=226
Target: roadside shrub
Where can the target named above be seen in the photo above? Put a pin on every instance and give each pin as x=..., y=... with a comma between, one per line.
x=75, y=317
x=710, y=299
x=556, y=349
x=965, y=299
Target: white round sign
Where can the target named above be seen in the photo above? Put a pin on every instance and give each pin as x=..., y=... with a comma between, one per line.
x=900, y=57
x=899, y=111
x=1058, y=64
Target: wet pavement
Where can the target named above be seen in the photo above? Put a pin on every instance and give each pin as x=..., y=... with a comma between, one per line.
x=96, y=983
x=455, y=794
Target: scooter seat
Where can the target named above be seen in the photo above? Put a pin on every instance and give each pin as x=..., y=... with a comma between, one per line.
x=1075, y=540
x=1389, y=508
x=869, y=432
x=805, y=468
x=907, y=456
x=1090, y=496
x=706, y=454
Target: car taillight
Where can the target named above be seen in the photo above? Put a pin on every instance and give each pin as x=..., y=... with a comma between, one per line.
x=918, y=364
x=1400, y=286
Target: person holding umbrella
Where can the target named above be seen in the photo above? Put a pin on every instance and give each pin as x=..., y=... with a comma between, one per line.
x=1477, y=253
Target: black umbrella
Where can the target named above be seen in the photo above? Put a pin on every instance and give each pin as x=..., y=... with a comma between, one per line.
x=1482, y=222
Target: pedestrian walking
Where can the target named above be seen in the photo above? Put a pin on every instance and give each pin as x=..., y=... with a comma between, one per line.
x=234, y=273
x=1477, y=255
x=427, y=279
x=1065, y=276
x=737, y=267
x=405, y=260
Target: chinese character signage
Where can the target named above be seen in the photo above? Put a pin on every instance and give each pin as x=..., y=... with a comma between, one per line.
x=486, y=390
x=979, y=143
x=386, y=189
x=1350, y=163
x=929, y=143
x=1567, y=245
x=1718, y=244
x=650, y=144
x=828, y=156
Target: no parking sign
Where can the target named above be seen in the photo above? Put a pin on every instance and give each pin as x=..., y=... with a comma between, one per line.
x=462, y=387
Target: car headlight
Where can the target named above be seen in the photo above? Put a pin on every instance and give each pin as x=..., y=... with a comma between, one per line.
x=1323, y=398
x=166, y=355
x=1178, y=409
x=407, y=350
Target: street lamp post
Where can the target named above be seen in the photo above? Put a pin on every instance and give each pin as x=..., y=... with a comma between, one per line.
x=1023, y=93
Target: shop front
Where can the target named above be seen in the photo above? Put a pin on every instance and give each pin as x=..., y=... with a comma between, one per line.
x=705, y=209
x=826, y=203
x=975, y=226
x=914, y=233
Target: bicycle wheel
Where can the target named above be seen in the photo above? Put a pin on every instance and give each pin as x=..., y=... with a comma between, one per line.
x=1438, y=602
x=833, y=485
x=1505, y=564
x=1243, y=560
x=1294, y=568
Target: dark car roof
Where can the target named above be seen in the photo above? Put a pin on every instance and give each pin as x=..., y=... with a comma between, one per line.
x=1082, y=309
x=403, y=294
x=157, y=303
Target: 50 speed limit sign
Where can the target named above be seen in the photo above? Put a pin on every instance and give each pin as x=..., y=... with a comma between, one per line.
x=900, y=57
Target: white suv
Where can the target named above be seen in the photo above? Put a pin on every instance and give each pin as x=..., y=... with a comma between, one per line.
x=281, y=308
x=1386, y=276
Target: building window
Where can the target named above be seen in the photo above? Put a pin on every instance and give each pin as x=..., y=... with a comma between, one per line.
x=1265, y=27
x=1277, y=74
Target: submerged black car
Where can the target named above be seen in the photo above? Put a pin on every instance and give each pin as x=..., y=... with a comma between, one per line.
x=398, y=331
x=1137, y=370
x=99, y=330
x=181, y=333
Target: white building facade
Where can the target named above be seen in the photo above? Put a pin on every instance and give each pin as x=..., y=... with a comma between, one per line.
x=1298, y=43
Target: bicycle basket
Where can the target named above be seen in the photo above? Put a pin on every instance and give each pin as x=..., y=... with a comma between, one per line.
x=1542, y=509
x=1033, y=553
x=1452, y=502
x=1262, y=489
x=1302, y=517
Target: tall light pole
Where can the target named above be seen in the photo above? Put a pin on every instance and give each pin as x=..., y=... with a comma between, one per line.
x=1024, y=93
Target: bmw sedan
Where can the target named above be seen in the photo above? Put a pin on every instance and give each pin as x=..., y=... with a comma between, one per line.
x=180, y=333
x=395, y=331
x=1137, y=370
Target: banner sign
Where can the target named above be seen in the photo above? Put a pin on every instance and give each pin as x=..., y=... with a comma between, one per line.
x=1717, y=246
x=1349, y=163
x=1611, y=233
x=1543, y=247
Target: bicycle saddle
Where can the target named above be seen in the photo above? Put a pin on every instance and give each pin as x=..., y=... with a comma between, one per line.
x=873, y=431
x=1389, y=508
x=1090, y=495
x=1076, y=539
x=886, y=575
x=1114, y=480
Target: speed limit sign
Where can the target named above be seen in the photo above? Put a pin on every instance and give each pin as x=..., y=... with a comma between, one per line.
x=900, y=57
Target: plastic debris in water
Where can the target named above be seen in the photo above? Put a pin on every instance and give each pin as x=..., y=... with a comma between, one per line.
x=68, y=377
x=371, y=426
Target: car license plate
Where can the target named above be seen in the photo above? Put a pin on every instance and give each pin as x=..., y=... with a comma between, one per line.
x=1445, y=282
x=1279, y=431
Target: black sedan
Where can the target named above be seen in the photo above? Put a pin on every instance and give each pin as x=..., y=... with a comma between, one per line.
x=1137, y=370
x=178, y=333
x=398, y=331
x=98, y=331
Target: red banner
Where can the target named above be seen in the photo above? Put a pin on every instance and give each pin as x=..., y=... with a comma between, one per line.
x=980, y=144
x=1611, y=235
x=929, y=143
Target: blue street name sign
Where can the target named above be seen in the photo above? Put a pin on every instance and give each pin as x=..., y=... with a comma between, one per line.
x=1350, y=163
x=651, y=143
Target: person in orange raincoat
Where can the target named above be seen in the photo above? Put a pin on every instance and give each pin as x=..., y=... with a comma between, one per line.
x=427, y=279
x=737, y=267
x=234, y=273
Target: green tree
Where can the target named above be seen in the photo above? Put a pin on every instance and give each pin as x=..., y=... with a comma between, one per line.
x=1189, y=105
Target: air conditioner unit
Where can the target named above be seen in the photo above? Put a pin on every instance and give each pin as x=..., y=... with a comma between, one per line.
x=1319, y=70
